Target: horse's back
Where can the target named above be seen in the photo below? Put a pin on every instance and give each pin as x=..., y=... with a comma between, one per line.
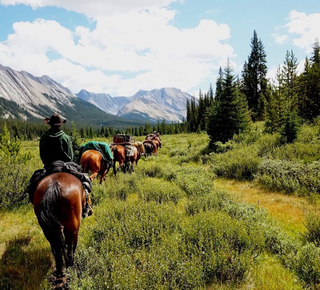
x=91, y=159
x=71, y=195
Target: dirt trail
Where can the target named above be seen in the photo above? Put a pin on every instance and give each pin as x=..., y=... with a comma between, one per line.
x=289, y=210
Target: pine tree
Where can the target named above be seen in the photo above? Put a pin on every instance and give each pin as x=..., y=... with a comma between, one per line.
x=309, y=89
x=254, y=81
x=229, y=115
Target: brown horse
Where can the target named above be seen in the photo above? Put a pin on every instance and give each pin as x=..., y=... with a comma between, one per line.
x=58, y=202
x=134, y=157
x=154, y=136
x=120, y=155
x=151, y=147
x=92, y=160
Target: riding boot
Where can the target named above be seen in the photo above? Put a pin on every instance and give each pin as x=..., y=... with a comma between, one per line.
x=87, y=210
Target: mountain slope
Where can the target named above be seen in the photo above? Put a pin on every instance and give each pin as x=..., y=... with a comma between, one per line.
x=23, y=96
x=167, y=104
x=105, y=102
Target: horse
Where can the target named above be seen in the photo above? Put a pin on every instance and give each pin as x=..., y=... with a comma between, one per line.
x=149, y=147
x=120, y=155
x=92, y=160
x=59, y=201
x=154, y=136
x=134, y=157
x=140, y=147
x=141, y=150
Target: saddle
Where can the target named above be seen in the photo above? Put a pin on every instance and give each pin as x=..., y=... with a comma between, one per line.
x=54, y=167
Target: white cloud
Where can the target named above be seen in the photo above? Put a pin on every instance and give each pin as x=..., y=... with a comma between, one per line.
x=124, y=52
x=280, y=38
x=94, y=8
x=306, y=27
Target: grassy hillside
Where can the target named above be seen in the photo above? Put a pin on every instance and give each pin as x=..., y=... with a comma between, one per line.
x=176, y=224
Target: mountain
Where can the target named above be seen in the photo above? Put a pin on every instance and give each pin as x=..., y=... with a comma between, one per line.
x=104, y=102
x=24, y=96
x=167, y=104
x=161, y=104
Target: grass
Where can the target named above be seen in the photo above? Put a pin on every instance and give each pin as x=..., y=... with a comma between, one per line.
x=25, y=254
x=289, y=210
x=178, y=176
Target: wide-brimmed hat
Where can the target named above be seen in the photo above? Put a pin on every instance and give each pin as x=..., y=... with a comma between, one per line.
x=55, y=120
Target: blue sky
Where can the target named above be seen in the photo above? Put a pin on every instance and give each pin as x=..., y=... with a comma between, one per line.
x=119, y=47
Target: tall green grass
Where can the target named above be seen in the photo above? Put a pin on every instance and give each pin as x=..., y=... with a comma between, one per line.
x=166, y=226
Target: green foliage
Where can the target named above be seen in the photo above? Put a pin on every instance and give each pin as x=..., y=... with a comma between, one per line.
x=313, y=228
x=254, y=74
x=306, y=263
x=289, y=176
x=166, y=226
x=13, y=171
x=229, y=114
x=237, y=163
x=290, y=127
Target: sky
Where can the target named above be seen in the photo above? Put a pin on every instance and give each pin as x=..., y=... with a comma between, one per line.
x=121, y=47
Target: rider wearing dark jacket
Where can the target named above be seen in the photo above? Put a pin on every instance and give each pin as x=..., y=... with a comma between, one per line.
x=56, y=154
x=54, y=143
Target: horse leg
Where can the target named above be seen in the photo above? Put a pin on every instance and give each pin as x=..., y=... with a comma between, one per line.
x=57, y=247
x=93, y=176
x=114, y=168
x=71, y=244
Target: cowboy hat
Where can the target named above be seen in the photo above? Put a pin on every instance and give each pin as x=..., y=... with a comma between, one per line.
x=55, y=120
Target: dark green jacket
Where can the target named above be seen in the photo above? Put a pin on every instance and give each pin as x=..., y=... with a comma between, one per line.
x=55, y=145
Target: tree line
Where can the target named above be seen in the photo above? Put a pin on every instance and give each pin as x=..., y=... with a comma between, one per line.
x=283, y=103
x=24, y=130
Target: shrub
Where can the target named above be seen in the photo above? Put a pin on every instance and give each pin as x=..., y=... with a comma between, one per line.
x=159, y=190
x=313, y=228
x=225, y=245
x=195, y=181
x=289, y=176
x=241, y=163
x=307, y=264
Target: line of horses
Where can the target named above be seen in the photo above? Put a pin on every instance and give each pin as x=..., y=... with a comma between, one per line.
x=59, y=200
x=126, y=155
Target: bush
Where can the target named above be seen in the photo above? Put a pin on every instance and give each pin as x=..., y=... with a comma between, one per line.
x=159, y=190
x=241, y=163
x=289, y=176
x=313, y=228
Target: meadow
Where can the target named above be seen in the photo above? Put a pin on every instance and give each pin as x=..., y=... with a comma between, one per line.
x=245, y=217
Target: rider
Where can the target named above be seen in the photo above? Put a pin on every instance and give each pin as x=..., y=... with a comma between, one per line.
x=56, y=153
x=54, y=143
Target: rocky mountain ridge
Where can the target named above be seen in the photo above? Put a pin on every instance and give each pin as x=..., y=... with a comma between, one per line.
x=37, y=97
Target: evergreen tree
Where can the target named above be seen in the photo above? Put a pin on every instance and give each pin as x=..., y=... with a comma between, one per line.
x=254, y=81
x=229, y=115
x=201, y=113
x=309, y=89
x=219, y=85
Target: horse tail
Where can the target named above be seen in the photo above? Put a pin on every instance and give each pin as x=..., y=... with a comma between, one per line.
x=49, y=212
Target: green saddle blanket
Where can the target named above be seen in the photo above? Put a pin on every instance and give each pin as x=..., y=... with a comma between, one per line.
x=101, y=147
